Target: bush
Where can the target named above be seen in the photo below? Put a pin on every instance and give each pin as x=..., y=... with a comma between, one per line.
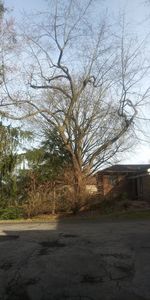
x=41, y=202
x=11, y=213
x=36, y=204
x=110, y=205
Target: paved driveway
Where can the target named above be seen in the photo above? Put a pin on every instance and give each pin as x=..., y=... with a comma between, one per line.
x=72, y=261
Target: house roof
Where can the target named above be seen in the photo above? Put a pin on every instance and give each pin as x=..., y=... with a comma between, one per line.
x=139, y=168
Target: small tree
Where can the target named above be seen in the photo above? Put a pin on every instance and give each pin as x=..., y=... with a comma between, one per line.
x=47, y=163
x=10, y=143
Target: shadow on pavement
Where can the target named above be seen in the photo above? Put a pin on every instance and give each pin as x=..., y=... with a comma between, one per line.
x=64, y=261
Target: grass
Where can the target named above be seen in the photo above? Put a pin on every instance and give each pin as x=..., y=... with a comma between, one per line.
x=140, y=214
x=93, y=216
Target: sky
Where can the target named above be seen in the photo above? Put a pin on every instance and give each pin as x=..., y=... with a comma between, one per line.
x=137, y=10
x=137, y=13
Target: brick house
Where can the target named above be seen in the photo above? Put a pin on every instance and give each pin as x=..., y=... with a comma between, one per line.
x=130, y=181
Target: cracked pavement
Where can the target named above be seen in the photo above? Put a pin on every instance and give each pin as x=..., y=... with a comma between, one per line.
x=80, y=260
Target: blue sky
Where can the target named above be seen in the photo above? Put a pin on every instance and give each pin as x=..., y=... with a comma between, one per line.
x=138, y=15
x=19, y=5
x=136, y=9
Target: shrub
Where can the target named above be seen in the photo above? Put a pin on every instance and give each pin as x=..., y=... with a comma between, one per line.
x=36, y=204
x=11, y=213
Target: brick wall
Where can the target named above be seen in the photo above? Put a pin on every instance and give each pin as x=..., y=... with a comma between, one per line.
x=115, y=185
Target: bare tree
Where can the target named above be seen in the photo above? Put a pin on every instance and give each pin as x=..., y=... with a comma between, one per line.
x=8, y=45
x=84, y=80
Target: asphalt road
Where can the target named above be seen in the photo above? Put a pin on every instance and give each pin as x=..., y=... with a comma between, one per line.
x=75, y=261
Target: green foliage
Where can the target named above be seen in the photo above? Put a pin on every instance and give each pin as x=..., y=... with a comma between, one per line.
x=50, y=159
x=56, y=157
x=31, y=187
x=11, y=213
x=2, y=9
x=10, y=143
x=37, y=182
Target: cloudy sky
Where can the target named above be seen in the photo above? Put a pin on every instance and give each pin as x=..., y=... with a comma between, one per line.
x=137, y=14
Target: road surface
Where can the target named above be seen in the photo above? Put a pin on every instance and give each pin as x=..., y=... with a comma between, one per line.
x=83, y=260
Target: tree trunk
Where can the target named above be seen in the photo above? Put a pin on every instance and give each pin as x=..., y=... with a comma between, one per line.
x=79, y=189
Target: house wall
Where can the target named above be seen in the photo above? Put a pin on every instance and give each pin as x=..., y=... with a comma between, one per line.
x=114, y=185
x=135, y=189
x=140, y=188
x=146, y=188
x=127, y=185
x=100, y=187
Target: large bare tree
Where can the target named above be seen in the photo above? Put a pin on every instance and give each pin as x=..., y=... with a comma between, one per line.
x=8, y=47
x=83, y=79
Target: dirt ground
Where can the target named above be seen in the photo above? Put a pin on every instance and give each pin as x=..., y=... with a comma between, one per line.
x=84, y=260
